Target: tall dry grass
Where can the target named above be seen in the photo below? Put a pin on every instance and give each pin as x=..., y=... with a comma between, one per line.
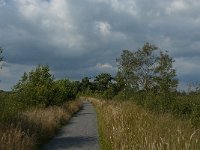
x=30, y=129
x=126, y=126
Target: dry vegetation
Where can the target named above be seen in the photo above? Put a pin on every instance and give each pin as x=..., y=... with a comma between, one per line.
x=126, y=126
x=30, y=129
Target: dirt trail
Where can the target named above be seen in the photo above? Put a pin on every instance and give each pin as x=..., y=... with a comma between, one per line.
x=79, y=134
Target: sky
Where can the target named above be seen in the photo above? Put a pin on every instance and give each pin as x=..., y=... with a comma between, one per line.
x=78, y=38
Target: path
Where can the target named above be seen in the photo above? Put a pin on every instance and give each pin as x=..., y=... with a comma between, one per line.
x=79, y=134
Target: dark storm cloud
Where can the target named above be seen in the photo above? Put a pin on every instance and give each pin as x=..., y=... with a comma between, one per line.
x=79, y=38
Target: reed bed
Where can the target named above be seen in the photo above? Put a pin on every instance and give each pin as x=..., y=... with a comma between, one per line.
x=31, y=129
x=126, y=126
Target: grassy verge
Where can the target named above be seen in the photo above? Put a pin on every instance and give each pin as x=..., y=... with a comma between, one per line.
x=30, y=129
x=104, y=142
x=124, y=125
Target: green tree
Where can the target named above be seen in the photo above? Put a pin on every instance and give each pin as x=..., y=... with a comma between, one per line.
x=137, y=68
x=85, y=85
x=64, y=90
x=147, y=69
x=146, y=62
x=127, y=65
x=165, y=73
x=120, y=82
x=103, y=81
x=35, y=88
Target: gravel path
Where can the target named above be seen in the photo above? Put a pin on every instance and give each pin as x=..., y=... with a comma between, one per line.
x=79, y=134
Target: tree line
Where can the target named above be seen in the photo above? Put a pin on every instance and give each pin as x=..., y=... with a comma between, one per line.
x=143, y=72
x=147, y=69
x=145, y=76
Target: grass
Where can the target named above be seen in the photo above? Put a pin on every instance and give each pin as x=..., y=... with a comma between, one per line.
x=31, y=129
x=125, y=126
x=105, y=143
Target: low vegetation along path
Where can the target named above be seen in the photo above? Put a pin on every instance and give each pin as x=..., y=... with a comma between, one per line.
x=80, y=133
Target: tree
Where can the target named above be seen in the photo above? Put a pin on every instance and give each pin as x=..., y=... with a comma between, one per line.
x=64, y=90
x=127, y=65
x=85, y=84
x=120, y=83
x=146, y=62
x=147, y=70
x=137, y=67
x=35, y=88
x=165, y=73
x=103, y=81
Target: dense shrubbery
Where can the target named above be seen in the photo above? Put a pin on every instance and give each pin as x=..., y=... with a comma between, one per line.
x=36, y=107
x=185, y=106
x=145, y=76
x=9, y=105
x=36, y=89
x=64, y=90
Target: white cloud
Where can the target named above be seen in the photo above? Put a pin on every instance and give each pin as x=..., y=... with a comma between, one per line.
x=104, y=66
x=53, y=19
x=104, y=28
x=77, y=35
x=176, y=6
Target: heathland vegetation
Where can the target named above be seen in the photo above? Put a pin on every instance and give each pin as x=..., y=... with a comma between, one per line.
x=125, y=125
x=146, y=111
x=35, y=109
x=146, y=76
x=142, y=108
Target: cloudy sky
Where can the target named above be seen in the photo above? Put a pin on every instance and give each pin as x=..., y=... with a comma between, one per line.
x=79, y=38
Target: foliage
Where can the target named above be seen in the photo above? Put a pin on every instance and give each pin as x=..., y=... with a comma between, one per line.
x=64, y=90
x=127, y=65
x=30, y=129
x=129, y=126
x=103, y=81
x=85, y=85
x=147, y=70
x=28, y=114
x=36, y=87
x=145, y=76
x=148, y=77
x=165, y=74
x=120, y=82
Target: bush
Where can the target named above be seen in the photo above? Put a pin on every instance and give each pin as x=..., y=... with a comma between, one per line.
x=64, y=90
x=182, y=106
x=9, y=106
x=38, y=89
x=35, y=88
